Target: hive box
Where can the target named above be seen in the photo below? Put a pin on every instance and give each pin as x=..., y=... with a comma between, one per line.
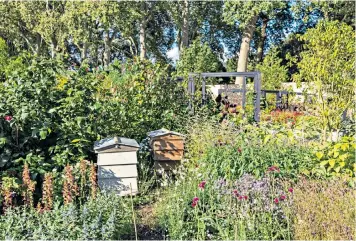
x=167, y=148
x=117, y=164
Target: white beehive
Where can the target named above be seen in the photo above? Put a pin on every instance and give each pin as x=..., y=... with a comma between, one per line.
x=117, y=164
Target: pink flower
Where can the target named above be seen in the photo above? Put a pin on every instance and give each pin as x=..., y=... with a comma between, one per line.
x=290, y=190
x=195, y=201
x=273, y=169
x=283, y=197
x=235, y=193
x=8, y=117
x=245, y=197
x=202, y=185
x=239, y=150
x=241, y=197
x=276, y=200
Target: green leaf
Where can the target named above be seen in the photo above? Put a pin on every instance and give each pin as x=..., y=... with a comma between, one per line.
x=331, y=163
x=319, y=155
x=43, y=134
x=323, y=163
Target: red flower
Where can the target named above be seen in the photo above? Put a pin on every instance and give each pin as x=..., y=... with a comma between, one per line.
x=8, y=117
x=202, y=185
x=241, y=197
x=283, y=197
x=235, y=192
x=239, y=150
x=195, y=201
x=276, y=200
x=273, y=169
x=290, y=190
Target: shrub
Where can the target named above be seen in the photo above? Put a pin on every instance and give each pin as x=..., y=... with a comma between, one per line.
x=106, y=217
x=324, y=210
x=336, y=159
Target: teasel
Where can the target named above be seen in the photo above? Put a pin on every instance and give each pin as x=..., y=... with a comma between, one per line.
x=28, y=186
x=70, y=188
x=93, y=184
x=47, y=193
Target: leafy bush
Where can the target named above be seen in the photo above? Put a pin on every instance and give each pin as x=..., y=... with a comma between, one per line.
x=231, y=152
x=107, y=217
x=273, y=73
x=324, y=210
x=51, y=116
x=336, y=159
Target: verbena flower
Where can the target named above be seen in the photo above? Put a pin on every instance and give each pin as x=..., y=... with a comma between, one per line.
x=276, y=200
x=283, y=197
x=290, y=190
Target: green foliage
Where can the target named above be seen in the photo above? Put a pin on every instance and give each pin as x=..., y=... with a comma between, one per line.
x=57, y=115
x=336, y=159
x=272, y=72
x=107, y=217
x=328, y=64
x=197, y=58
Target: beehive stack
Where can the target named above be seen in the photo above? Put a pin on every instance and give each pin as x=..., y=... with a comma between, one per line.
x=167, y=149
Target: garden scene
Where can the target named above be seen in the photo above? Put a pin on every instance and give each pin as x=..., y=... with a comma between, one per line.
x=177, y=120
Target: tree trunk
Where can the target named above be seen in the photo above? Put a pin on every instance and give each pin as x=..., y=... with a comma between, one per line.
x=245, y=47
x=143, y=39
x=53, y=48
x=185, y=27
x=84, y=53
x=261, y=43
x=38, y=44
x=107, y=49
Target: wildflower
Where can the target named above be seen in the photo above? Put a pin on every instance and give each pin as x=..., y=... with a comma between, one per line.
x=235, y=193
x=241, y=197
x=283, y=197
x=239, y=150
x=8, y=117
x=276, y=200
x=195, y=201
x=290, y=190
x=202, y=185
x=93, y=183
x=273, y=169
x=245, y=197
x=47, y=192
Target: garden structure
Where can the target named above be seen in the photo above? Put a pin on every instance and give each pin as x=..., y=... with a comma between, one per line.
x=117, y=162
x=241, y=91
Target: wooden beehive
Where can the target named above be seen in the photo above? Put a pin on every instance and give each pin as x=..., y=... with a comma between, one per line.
x=117, y=165
x=167, y=148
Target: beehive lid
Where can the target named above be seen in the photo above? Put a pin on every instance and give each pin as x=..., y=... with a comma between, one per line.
x=115, y=143
x=162, y=132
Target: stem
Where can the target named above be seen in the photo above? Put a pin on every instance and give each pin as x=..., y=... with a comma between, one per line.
x=133, y=212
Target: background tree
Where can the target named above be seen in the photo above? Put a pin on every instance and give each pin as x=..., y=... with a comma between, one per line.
x=246, y=15
x=328, y=63
x=273, y=73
